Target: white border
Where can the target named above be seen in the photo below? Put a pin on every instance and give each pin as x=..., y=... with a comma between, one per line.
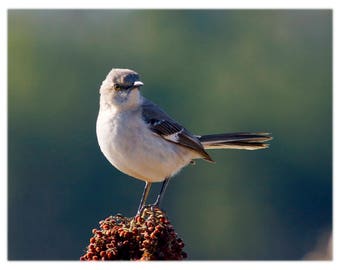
x=173, y=4
x=158, y=4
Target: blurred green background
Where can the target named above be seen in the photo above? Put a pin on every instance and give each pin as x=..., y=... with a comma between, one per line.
x=214, y=71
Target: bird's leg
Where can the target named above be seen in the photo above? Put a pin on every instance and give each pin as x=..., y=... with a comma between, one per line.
x=144, y=196
x=161, y=193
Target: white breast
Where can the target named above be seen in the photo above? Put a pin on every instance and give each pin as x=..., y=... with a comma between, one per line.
x=132, y=148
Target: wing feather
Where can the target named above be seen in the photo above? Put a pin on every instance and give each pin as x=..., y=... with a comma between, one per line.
x=163, y=125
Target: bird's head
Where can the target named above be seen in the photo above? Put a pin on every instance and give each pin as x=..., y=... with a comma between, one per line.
x=120, y=89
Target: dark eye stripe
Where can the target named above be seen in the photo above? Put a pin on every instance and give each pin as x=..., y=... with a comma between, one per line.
x=127, y=87
x=122, y=87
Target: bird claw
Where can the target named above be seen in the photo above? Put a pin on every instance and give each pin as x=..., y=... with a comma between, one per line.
x=140, y=210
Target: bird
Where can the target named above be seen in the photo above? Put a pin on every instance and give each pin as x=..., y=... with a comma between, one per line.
x=141, y=140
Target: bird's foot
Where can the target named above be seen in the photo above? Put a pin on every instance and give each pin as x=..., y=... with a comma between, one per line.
x=140, y=210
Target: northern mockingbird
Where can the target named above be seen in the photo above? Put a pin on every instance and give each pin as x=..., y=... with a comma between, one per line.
x=141, y=140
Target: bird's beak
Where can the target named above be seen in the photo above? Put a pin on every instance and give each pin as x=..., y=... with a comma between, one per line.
x=137, y=84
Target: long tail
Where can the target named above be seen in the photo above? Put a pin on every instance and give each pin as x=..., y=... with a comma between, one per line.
x=240, y=140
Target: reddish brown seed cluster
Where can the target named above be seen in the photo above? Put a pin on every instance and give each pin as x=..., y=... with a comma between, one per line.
x=148, y=236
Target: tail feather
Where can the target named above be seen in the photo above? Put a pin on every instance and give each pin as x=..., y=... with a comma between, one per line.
x=241, y=140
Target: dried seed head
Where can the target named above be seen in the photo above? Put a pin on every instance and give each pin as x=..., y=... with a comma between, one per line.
x=148, y=236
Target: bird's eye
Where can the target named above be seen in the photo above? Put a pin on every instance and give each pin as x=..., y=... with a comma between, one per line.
x=117, y=87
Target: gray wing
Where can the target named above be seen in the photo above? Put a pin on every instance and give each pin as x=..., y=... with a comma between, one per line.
x=163, y=125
